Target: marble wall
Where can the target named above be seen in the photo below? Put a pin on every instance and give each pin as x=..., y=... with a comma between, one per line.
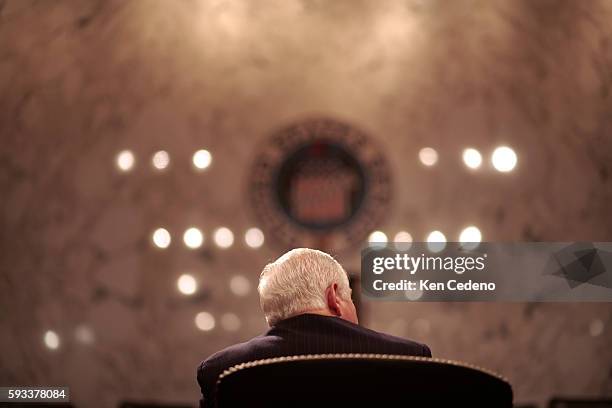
x=82, y=80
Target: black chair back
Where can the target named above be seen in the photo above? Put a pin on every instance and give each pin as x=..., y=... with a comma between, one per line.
x=580, y=403
x=360, y=380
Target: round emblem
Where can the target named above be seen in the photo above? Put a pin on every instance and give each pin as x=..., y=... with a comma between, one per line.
x=320, y=183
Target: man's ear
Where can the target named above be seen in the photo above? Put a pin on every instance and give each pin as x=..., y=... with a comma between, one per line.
x=333, y=301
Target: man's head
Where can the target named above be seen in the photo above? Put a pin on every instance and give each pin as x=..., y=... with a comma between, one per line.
x=305, y=281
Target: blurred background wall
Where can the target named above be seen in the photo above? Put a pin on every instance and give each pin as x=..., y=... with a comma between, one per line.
x=88, y=301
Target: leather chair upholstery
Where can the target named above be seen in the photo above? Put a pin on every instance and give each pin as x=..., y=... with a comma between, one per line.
x=360, y=380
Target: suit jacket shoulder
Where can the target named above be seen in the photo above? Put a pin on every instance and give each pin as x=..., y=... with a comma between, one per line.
x=382, y=343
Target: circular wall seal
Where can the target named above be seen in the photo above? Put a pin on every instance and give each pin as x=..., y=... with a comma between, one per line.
x=320, y=183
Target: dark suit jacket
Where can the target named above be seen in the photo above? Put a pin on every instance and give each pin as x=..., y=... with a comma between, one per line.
x=303, y=334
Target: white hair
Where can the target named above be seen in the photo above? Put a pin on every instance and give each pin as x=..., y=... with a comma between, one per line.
x=296, y=282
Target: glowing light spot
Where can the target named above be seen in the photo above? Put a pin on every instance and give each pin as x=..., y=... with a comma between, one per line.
x=504, y=159
x=436, y=241
x=230, y=322
x=240, y=286
x=84, y=334
x=224, y=237
x=52, y=340
x=125, y=160
x=472, y=158
x=402, y=241
x=187, y=284
x=254, y=237
x=378, y=237
x=428, y=156
x=161, y=160
x=202, y=159
x=161, y=238
x=205, y=321
x=193, y=238
x=413, y=294
x=470, y=237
